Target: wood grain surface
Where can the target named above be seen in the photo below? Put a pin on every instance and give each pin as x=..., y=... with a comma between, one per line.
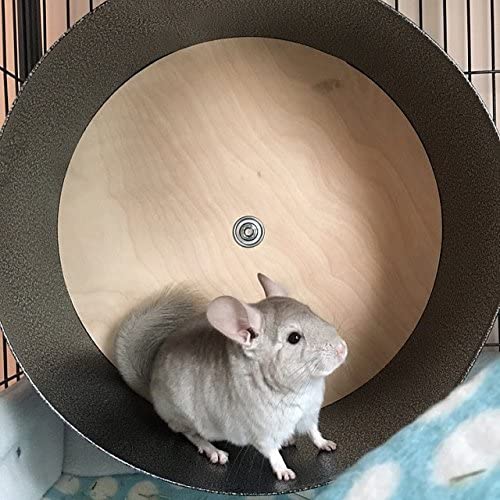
x=301, y=140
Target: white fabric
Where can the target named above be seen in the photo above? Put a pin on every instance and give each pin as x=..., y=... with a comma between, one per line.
x=31, y=444
x=82, y=458
x=473, y=446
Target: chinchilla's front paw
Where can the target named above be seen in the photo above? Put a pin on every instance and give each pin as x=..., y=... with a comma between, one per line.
x=289, y=442
x=325, y=445
x=284, y=474
x=215, y=456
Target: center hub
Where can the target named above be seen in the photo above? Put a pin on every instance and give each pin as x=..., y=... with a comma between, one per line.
x=248, y=231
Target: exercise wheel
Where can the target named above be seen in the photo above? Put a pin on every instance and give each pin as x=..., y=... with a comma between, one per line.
x=360, y=159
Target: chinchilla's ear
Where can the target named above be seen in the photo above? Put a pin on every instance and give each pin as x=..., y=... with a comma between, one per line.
x=238, y=321
x=271, y=289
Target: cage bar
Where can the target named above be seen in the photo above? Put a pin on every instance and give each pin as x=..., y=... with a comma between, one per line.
x=29, y=39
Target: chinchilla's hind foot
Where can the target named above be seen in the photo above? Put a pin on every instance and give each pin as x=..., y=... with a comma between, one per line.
x=215, y=455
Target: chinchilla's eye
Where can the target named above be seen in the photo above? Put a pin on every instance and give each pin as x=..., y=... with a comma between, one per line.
x=294, y=338
x=252, y=333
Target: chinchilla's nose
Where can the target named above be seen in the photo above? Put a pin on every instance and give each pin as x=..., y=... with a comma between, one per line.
x=341, y=348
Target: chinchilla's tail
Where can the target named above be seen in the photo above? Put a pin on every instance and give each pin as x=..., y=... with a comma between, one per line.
x=142, y=332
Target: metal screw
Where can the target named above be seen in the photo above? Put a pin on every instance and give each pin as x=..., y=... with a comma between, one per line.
x=248, y=231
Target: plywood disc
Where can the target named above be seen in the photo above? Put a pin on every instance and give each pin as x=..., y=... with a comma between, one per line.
x=278, y=131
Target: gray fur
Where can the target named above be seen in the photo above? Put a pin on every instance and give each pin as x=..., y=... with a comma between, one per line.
x=212, y=387
x=142, y=332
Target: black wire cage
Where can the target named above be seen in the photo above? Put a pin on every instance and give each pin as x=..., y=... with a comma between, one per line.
x=120, y=38
x=466, y=29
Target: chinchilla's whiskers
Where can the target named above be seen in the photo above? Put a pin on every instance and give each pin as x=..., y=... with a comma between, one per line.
x=306, y=387
x=289, y=384
x=293, y=382
x=298, y=380
x=270, y=379
x=261, y=468
x=301, y=377
x=299, y=373
x=234, y=462
x=253, y=460
x=246, y=448
x=295, y=397
x=294, y=400
x=339, y=325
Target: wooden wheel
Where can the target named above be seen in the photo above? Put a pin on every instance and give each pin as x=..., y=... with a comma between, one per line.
x=266, y=128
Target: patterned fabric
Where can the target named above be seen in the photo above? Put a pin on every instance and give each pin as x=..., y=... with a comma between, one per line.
x=450, y=452
x=130, y=487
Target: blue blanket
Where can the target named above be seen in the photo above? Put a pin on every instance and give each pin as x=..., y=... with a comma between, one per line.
x=450, y=452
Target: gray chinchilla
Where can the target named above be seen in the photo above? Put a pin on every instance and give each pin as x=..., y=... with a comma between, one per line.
x=251, y=374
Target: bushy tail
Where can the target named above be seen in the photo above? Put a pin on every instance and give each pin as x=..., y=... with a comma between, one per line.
x=142, y=332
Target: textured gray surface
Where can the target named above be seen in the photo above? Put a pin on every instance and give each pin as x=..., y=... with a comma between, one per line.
x=86, y=67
